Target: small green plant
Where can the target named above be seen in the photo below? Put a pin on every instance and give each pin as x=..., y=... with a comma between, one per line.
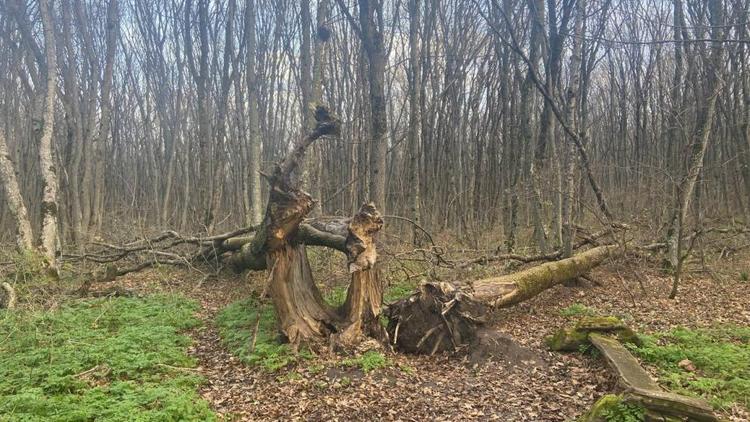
x=406, y=369
x=315, y=369
x=106, y=360
x=336, y=296
x=398, y=291
x=744, y=276
x=237, y=324
x=289, y=376
x=624, y=412
x=368, y=361
x=721, y=356
x=577, y=309
x=612, y=408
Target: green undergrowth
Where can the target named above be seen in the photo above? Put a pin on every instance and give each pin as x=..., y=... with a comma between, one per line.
x=368, y=361
x=612, y=408
x=237, y=324
x=117, y=359
x=721, y=357
x=577, y=309
x=336, y=296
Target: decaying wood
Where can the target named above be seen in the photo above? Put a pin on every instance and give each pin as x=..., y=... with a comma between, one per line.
x=442, y=316
x=640, y=388
x=364, y=298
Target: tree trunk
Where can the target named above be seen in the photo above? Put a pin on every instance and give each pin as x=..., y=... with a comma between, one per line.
x=280, y=242
x=370, y=17
x=24, y=236
x=704, y=119
x=414, y=109
x=255, y=212
x=49, y=241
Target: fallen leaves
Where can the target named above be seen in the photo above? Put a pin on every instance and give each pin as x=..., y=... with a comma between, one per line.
x=446, y=388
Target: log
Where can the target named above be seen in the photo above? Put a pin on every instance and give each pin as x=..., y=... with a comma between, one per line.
x=442, y=316
x=639, y=388
x=514, y=288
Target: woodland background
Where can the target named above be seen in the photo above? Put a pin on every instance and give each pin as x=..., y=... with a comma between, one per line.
x=166, y=111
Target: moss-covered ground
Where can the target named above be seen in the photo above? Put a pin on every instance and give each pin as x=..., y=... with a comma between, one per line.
x=116, y=359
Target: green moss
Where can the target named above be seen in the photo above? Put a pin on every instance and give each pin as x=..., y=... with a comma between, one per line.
x=721, y=356
x=567, y=339
x=106, y=360
x=574, y=338
x=612, y=408
x=236, y=325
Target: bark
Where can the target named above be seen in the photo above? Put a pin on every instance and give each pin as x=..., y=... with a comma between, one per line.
x=113, y=30
x=255, y=210
x=441, y=316
x=704, y=120
x=371, y=18
x=573, y=119
x=414, y=114
x=9, y=179
x=49, y=240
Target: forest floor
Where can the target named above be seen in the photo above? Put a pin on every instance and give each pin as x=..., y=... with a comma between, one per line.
x=560, y=387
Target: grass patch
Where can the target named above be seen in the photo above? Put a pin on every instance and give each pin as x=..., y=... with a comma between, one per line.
x=109, y=359
x=577, y=309
x=398, y=291
x=368, y=361
x=392, y=293
x=721, y=357
x=612, y=408
x=337, y=296
x=236, y=325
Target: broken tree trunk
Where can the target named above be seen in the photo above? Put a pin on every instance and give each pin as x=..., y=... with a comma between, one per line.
x=280, y=242
x=441, y=316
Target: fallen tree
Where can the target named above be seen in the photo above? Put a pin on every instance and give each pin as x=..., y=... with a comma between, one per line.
x=443, y=316
x=440, y=316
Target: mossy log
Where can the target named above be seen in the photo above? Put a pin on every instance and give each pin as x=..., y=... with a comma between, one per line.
x=639, y=388
x=441, y=316
x=571, y=339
